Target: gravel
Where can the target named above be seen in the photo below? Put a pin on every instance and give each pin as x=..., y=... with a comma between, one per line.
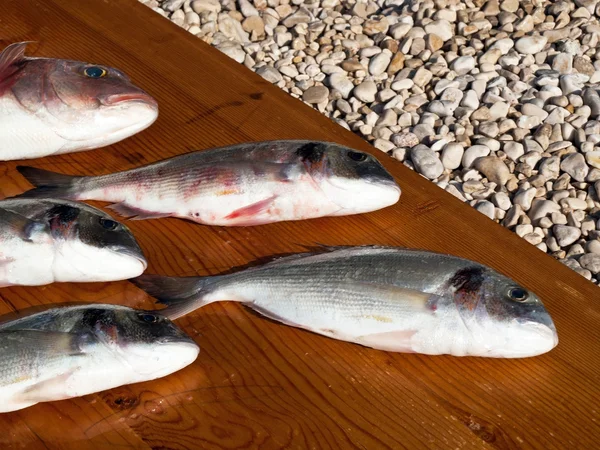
x=497, y=102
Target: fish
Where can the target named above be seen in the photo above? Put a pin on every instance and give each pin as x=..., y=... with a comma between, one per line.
x=48, y=240
x=387, y=298
x=51, y=106
x=70, y=351
x=248, y=184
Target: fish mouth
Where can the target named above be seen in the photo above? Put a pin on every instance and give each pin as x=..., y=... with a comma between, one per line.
x=133, y=252
x=546, y=331
x=138, y=97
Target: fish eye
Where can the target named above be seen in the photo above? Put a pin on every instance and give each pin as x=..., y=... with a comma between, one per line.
x=94, y=72
x=108, y=224
x=148, y=318
x=518, y=294
x=357, y=156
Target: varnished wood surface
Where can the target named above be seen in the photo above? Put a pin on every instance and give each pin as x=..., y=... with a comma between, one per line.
x=256, y=383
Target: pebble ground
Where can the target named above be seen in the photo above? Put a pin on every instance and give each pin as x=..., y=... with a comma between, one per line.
x=497, y=102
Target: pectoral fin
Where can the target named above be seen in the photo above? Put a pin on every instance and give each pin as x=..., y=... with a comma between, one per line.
x=391, y=341
x=19, y=225
x=47, y=390
x=247, y=215
x=133, y=213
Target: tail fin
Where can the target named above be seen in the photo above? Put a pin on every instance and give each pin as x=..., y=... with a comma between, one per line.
x=48, y=184
x=182, y=295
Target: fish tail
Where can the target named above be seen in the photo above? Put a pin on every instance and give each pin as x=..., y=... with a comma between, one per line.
x=48, y=184
x=181, y=295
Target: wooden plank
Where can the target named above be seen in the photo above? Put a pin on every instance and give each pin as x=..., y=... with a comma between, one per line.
x=257, y=383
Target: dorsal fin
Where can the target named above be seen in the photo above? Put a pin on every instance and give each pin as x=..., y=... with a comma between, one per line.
x=9, y=56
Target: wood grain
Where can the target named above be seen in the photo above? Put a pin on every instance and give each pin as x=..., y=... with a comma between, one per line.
x=256, y=383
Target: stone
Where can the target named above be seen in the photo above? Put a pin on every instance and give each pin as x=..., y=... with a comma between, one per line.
x=593, y=158
x=422, y=77
x=247, y=9
x=302, y=15
x=397, y=63
x=406, y=140
x=366, y=91
x=200, y=6
x=270, y=74
x=486, y=208
x=379, y=63
x=592, y=99
x=583, y=65
x=463, y=64
x=341, y=83
x=452, y=156
x=375, y=25
x=443, y=28
x=472, y=153
x=565, y=235
x=563, y=63
x=542, y=208
x=530, y=109
x=426, y=162
x=172, y=5
x=591, y=262
x=493, y=168
x=575, y=166
x=233, y=50
x=514, y=150
x=524, y=198
x=509, y=5
x=315, y=94
x=433, y=42
x=501, y=200
x=530, y=45
x=254, y=24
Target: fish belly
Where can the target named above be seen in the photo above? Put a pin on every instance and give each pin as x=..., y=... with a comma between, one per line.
x=23, y=135
x=25, y=263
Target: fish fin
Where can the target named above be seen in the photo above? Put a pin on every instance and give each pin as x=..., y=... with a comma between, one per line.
x=47, y=390
x=21, y=225
x=133, y=213
x=9, y=56
x=181, y=295
x=409, y=297
x=246, y=215
x=43, y=340
x=391, y=341
x=275, y=317
x=48, y=184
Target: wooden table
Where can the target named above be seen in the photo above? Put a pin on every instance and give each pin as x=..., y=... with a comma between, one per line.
x=256, y=383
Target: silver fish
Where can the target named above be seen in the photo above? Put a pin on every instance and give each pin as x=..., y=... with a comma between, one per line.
x=52, y=106
x=72, y=351
x=48, y=240
x=247, y=184
x=382, y=297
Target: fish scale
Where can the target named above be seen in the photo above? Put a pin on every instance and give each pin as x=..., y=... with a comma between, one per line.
x=52, y=106
x=383, y=297
x=71, y=351
x=241, y=185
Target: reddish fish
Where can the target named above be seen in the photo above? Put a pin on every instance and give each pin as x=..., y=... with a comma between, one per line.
x=247, y=184
x=52, y=106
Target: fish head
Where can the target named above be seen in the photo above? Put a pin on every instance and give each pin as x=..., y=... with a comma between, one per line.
x=88, y=105
x=91, y=245
x=354, y=181
x=504, y=319
x=150, y=344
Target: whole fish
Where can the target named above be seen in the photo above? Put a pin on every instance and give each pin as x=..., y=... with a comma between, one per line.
x=72, y=351
x=51, y=106
x=382, y=297
x=247, y=184
x=48, y=240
